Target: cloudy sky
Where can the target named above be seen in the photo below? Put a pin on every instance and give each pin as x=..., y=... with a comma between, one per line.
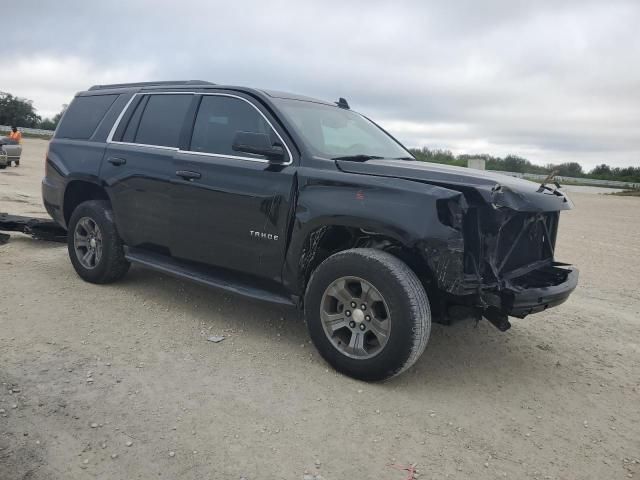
x=551, y=80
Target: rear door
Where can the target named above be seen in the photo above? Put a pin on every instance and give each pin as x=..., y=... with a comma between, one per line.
x=233, y=211
x=138, y=167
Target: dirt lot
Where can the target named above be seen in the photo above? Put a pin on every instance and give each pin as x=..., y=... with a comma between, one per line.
x=95, y=367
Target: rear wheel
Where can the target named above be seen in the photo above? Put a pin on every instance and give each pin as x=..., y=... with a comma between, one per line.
x=95, y=248
x=367, y=313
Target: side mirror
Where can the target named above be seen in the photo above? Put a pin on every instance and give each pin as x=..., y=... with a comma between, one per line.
x=258, y=144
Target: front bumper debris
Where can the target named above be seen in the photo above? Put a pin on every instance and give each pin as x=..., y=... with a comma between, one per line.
x=38, y=228
x=539, y=290
x=533, y=292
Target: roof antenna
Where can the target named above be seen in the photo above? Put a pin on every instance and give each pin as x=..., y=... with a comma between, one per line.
x=342, y=103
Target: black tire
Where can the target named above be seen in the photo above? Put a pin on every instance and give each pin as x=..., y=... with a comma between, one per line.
x=112, y=265
x=2, y=167
x=410, y=315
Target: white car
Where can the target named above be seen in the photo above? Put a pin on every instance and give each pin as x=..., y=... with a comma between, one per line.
x=10, y=151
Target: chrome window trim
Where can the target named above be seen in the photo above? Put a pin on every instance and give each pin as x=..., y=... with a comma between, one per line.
x=115, y=125
x=235, y=157
x=160, y=147
x=191, y=152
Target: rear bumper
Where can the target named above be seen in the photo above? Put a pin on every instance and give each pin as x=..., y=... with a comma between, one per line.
x=52, y=201
x=529, y=294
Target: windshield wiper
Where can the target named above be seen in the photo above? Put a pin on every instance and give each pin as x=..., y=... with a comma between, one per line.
x=358, y=158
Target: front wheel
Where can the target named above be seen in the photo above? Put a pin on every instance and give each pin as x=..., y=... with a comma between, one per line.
x=367, y=313
x=95, y=248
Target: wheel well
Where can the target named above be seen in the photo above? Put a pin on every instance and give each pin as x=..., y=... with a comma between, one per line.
x=79, y=191
x=329, y=239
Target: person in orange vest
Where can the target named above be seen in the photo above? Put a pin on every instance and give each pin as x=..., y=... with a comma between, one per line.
x=15, y=135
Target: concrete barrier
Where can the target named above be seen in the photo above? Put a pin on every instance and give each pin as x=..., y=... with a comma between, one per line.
x=30, y=131
x=585, y=181
x=477, y=163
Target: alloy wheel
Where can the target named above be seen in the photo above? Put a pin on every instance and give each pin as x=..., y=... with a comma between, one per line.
x=355, y=317
x=87, y=242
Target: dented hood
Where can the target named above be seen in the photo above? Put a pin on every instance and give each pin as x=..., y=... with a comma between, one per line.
x=496, y=189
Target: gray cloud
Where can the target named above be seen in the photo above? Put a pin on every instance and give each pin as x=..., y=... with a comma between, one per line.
x=553, y=81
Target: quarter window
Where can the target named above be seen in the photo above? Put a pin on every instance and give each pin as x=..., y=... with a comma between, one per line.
x=83, y=116
x=162, y=120
x=218, y=121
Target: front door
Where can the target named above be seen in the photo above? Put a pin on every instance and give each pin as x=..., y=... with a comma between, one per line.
x=230, y=208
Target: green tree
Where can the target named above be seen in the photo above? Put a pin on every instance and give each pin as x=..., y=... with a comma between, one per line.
x=17, y=111
x=513, y=163
x=52, y=123
x=602, y=169
x=47, y=124
x=58, y=116
x=570, y=169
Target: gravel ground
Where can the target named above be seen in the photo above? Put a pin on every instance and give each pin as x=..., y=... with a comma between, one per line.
x=120, y=382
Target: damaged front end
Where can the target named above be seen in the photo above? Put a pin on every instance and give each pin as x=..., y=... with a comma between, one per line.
x=493, y=251
x=499, y=259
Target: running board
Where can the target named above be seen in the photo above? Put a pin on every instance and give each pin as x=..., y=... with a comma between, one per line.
x=211, y=277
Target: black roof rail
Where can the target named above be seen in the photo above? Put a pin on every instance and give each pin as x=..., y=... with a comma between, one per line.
x=151, y=84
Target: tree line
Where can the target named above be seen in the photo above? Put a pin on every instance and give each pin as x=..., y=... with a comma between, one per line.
x=514, y=163
x=19, y=112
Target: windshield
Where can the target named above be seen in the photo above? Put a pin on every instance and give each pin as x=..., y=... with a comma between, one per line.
x=333, y=132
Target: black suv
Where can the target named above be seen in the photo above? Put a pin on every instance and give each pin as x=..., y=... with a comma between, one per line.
x=300, y=202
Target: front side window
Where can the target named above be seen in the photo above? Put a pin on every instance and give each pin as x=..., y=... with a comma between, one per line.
x=333, y=132
x=218, y=121
x=162, y=120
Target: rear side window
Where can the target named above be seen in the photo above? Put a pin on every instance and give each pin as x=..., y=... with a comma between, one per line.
x=132, y=127
x=219, y=119
x=83, y=116
x=162, y=120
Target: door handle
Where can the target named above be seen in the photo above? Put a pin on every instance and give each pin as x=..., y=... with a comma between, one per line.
x=115, y=161
x=188, y=175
